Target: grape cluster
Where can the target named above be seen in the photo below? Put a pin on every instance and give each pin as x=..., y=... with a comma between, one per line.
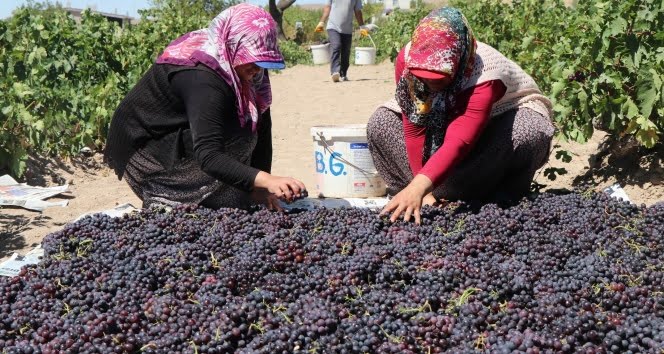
x=578, y=76
x=574, y=273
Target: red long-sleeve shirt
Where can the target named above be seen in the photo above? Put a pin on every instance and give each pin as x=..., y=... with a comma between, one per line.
x=470, y=116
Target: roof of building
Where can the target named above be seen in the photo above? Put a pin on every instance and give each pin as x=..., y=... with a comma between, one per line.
x=78, y=12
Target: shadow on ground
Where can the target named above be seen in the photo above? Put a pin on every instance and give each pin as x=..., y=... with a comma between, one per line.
x=47, y=171
x=11, y=227
x=625, y=162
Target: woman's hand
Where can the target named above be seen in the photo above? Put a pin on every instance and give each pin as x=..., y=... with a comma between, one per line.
x=283, y=188
x=429, y=199
x=262, y=196
x=409, y=201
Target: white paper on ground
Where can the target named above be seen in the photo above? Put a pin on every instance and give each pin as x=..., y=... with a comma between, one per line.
x=116, y=212
x=12, y=266
x=332, y=203
x=22, y=195
x=616, y=191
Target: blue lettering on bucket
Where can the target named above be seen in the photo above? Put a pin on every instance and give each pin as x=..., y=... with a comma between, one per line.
x=336, y=168
x=320, y=165
x=359, y=145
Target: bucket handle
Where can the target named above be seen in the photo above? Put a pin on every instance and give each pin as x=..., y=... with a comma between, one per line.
x=372, y=41
x=329, y=149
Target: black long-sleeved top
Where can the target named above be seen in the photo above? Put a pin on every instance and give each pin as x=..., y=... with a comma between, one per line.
x=176, y=112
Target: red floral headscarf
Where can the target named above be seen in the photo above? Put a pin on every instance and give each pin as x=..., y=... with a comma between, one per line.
x=443, y=42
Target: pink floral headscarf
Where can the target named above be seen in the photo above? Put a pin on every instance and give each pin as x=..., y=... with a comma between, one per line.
x=239, y=35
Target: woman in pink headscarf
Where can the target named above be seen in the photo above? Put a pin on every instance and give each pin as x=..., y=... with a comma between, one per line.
x=197, y=127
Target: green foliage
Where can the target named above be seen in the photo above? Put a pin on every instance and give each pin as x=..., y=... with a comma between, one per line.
x=62, y=80
x=365, y=41
x=209, y=7
x=309, y=20
x=394, y=31
x=600, y=61
x=59, y=81
x=616, y=80
x=294, y=53
x=159, y=26
x=523, y=30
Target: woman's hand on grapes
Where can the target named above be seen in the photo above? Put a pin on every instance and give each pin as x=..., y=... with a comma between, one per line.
x=409, y=201
x=283, y=188
x=429, y=199
x=262, y=196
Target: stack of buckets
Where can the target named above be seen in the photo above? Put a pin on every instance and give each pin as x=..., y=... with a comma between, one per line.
x=344, y=167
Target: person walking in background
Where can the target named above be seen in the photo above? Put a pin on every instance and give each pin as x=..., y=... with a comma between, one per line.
x=340, y=33
x=197, y=127
x=466, y=123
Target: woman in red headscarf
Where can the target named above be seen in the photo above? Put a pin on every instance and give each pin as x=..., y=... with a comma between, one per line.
x=466, y=122
x=197, y=127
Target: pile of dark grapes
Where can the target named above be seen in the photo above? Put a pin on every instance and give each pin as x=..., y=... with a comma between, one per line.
x=574, y=273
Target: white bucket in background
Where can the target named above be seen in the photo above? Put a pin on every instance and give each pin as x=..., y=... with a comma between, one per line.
x=321, y=53
x=343, y=165
x=404, y=4
x=365, y=55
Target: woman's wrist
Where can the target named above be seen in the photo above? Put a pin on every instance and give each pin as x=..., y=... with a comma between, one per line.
x=422, y=184
x=261, y=180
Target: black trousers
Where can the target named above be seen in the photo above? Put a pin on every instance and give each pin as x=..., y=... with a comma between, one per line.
x=340, y=43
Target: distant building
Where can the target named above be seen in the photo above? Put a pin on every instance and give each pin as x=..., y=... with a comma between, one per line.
x=122, y=20
x=396, y=4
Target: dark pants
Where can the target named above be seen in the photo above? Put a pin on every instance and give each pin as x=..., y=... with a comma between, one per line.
x=185, y=182
x=501, y=166
x=340, y=43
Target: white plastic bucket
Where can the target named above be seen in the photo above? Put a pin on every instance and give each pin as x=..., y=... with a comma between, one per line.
x=321, y=53
x=343, y=166
x=365, y=55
